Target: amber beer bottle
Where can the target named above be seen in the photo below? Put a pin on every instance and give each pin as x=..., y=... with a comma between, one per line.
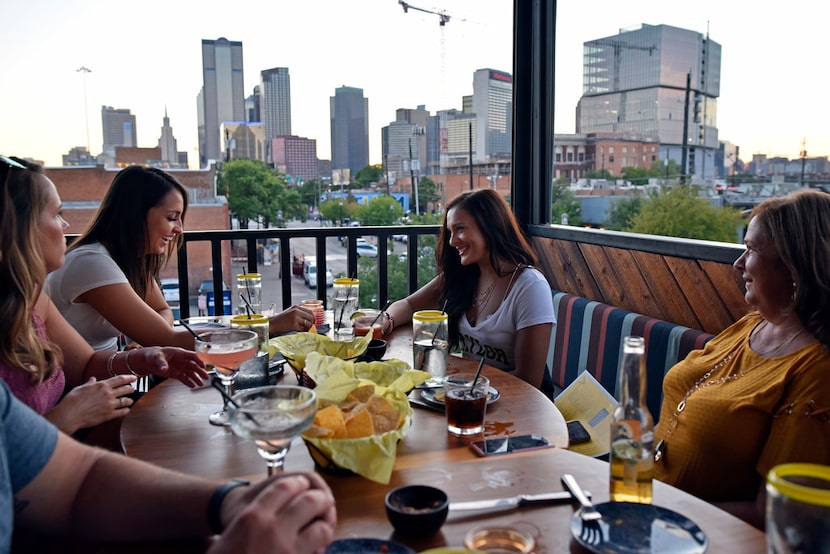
x=632, y=430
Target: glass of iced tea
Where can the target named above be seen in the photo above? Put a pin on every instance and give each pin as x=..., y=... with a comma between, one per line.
x=465, y=404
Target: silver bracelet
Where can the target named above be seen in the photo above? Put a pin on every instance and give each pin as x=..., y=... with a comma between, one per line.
x=109, y=364
x=127, y=359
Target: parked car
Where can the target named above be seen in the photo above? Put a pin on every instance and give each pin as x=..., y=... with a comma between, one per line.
x=311, y=282
x=400, y=238
x=366, y=249
x=170, y=290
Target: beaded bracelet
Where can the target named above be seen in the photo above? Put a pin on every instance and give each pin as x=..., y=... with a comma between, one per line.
x=109, y=364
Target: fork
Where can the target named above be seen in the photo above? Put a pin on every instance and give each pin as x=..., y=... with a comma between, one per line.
x=591, y=532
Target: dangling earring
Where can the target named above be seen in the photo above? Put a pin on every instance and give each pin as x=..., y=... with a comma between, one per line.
x=795, y=290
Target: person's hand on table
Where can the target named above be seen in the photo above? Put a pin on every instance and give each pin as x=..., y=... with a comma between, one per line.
x=288, y=513
x=295, y=318
x=169, y=362
x=93, y=403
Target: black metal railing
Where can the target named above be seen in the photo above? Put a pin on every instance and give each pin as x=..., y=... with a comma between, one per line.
x=251, y=238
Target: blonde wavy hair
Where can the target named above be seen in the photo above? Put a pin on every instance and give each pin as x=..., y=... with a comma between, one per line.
x=23, y=197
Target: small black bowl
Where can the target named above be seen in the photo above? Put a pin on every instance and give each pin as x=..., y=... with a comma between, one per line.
x=417, y=509
x=376, y=349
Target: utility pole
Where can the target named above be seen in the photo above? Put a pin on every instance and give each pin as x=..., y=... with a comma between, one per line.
x=803, y=158
x=685, y=138
x=412, y=178
x=471, y=154
x=84, y=70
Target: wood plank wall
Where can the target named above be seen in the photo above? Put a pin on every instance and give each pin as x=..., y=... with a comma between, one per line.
x=700, y=294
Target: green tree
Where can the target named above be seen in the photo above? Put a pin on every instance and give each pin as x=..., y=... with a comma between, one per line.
x=382, y=210
x=397, y=266
x=636, y=175
x=598, y=174
x=428, y=196
x=563, y=202
x=678, y=211
x=622, y=212
x=253, y=189
x=334, y=210
x=366, y=176
x=310, y=192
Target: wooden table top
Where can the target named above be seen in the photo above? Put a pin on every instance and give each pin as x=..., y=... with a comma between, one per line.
x=169, y=427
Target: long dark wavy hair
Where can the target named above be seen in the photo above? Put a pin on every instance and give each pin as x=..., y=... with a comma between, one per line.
x=24, y=194
x=507, y=244
x=799, y=227
x=121, y=223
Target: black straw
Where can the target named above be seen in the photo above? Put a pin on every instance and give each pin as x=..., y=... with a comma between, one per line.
x=248, y=307
x=435, y=334
x=380, y=313
x=192, y=332
x=478, y=372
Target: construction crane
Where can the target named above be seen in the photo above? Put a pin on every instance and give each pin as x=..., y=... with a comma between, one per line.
x=443, y=16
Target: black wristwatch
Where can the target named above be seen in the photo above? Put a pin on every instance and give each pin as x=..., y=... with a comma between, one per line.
x=214, y=510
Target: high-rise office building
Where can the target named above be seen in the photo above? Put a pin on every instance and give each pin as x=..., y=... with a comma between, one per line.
x=296, y=157
x=655, y=81
x=275, y=102
x=349, y=112
x=118, y=129
x=493, y=107
x=223, y=94
x=252, y=106
x=405, y=143
x=242, y=140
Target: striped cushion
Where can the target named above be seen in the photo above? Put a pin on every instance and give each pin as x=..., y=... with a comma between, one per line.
x=588, y=336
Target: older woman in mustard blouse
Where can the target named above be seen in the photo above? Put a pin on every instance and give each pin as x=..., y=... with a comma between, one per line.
x=758, y=394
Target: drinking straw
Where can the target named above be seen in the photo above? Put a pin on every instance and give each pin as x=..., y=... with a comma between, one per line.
x=478, y=372
x=380, y=313
x=192, y=332
x=221, y=388
x=247, y=305
x=435, y=334
x=348, y=294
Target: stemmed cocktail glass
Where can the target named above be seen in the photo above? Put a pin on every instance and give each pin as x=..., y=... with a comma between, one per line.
x=225, y=350
x=271, y=417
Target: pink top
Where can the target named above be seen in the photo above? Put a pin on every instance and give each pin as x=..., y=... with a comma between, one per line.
x=40, y=398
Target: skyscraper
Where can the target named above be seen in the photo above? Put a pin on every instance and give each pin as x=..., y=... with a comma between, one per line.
x=349, y=112
x=493, y=107
x=223, y=94
x=167, y=142
x=118, y=129
x=295, y=156
x=275, y=107
x=635, y=83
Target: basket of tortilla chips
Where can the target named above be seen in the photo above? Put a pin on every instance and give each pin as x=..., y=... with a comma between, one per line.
x=359, y=421
x=295, y=348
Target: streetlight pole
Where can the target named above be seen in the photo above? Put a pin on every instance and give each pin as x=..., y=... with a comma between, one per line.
x=84, y=70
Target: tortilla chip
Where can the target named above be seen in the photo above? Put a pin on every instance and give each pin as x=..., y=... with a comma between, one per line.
x=359, y=424
x=364, y=392
x=317, y=432
x=331, y=417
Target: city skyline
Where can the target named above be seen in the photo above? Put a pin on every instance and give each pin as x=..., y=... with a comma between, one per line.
x=149, y=61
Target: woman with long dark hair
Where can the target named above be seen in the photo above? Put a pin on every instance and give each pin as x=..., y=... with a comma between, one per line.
x=499, y=305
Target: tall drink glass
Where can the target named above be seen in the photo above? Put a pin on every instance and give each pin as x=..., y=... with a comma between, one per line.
x=798, y=508
x=430, y=346
x=249, y=286
x=345, y=298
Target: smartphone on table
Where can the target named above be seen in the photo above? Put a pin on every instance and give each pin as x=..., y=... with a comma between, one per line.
x=577, y=433
x=508, y=445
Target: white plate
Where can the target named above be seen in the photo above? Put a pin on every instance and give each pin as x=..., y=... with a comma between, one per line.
x=435, y=396
x=630, y=528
